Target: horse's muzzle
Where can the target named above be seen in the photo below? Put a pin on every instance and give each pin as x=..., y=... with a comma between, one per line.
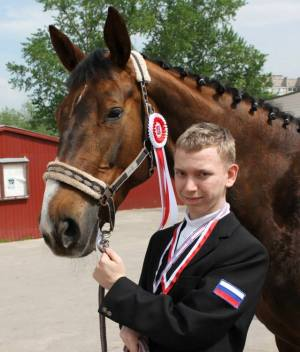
x=70, y=237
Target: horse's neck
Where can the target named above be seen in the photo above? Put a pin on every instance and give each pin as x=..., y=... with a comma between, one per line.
x=183, y=103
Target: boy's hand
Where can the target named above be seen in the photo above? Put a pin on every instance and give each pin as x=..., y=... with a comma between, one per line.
x=109, y=269
x=130, y=338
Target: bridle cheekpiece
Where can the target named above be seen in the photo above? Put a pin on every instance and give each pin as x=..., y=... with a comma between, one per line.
x=96, y=188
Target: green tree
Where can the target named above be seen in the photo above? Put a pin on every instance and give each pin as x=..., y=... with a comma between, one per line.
x=12, y=117
x=23, y=119
x=199, y=36
x=196, y=34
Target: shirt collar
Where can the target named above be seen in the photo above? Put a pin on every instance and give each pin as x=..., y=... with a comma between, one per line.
x=198, y=222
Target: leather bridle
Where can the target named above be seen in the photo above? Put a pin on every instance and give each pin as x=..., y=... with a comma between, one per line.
x=96, y=188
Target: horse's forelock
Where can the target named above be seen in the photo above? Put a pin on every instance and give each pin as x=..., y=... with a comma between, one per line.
x=96, y=64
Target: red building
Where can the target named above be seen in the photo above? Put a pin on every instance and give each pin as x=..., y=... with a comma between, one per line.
x=23, y=159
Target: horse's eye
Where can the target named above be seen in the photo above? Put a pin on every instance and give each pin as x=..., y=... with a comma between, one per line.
x=114, y=114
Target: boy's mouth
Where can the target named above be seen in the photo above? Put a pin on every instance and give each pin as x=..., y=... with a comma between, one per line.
x=192, y=199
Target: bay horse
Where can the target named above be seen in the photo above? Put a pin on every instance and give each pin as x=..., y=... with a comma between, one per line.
x=101, y=128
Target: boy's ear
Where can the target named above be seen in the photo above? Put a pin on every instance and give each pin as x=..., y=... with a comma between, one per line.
x=232, y=173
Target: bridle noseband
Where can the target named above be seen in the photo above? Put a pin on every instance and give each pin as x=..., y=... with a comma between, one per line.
x=96, y=188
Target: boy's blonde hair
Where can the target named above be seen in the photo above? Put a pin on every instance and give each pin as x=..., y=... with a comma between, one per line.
x=203, y=135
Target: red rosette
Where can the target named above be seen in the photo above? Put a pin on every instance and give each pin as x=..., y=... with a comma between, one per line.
x=158, y=130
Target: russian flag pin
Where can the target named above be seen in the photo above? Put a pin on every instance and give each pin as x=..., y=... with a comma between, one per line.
x=229, y=293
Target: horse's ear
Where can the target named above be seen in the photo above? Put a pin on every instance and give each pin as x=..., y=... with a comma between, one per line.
x=117, y=38
x=69, y=54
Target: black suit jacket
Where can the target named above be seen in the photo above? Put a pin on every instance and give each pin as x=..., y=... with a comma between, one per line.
x=192, y=317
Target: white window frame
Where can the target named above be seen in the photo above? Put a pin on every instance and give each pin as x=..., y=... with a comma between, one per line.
x=10, y=161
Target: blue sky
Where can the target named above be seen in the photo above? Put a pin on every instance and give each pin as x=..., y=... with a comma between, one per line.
x=272, y=26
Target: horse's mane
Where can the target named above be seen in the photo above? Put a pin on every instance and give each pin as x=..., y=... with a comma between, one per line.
x=237, y=95
x=98, y=63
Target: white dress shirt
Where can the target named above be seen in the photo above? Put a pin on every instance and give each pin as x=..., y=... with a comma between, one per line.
x=192, y=225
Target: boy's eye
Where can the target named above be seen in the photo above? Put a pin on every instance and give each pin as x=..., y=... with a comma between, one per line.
x=179, y=173
x=204, y=174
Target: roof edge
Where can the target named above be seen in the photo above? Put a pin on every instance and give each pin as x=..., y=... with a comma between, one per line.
x=282, y=96
x=22, y=131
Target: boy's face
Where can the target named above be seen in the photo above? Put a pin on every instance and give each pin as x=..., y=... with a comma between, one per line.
x=201, y=179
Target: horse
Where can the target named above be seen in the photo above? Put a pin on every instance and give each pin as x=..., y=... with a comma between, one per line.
x=101, y=127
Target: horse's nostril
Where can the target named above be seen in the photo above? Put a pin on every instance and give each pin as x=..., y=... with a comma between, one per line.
x=69, y=232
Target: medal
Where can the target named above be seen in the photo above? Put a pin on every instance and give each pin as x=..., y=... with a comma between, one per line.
x=173, y=262
x=177, y=261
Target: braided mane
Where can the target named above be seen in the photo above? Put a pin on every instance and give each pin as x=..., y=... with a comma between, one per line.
x=237, y=95
x=98, y=63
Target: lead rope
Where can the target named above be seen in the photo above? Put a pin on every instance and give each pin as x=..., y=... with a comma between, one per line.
x=102, y=322
x=102, y=242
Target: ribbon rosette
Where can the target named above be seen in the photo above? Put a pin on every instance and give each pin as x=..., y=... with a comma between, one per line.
x=158, y=134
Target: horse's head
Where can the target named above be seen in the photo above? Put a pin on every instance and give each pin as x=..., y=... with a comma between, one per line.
x=100, y=124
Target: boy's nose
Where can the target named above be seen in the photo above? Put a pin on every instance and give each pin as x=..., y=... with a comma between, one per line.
x=190, y=185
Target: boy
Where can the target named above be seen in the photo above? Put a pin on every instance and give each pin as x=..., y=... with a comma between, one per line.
x=201, y=279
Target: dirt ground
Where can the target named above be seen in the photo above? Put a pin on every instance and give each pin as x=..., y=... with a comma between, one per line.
x=49, y=304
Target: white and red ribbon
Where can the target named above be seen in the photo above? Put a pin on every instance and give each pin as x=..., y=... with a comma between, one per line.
x=176, y=263
x=158, y=134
